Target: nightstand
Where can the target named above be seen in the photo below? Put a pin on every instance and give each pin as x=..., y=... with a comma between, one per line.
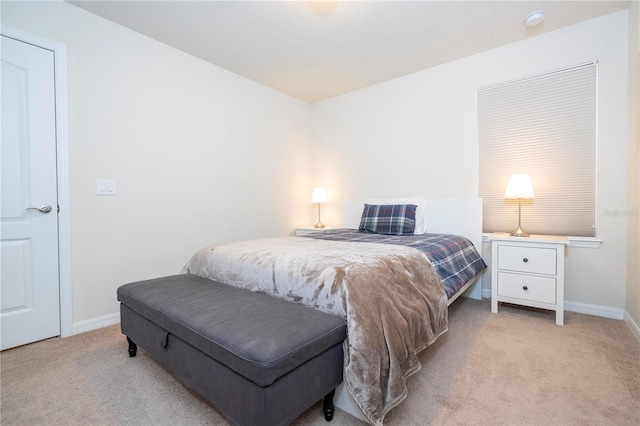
x=528, y=271
x=308, y=229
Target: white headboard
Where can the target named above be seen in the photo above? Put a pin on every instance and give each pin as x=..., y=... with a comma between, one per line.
x=460, y=216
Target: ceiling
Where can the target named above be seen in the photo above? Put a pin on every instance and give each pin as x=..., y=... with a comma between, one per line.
x=315, y=50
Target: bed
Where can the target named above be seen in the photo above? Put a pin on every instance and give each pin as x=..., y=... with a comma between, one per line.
x=348, y=272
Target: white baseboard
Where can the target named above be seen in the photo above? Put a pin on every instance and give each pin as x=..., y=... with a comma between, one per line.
x=599, y=311
x=582, y=308
x=96, y=323
x=633, y=326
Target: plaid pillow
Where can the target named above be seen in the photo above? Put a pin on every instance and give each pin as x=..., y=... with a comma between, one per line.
x=394, y=219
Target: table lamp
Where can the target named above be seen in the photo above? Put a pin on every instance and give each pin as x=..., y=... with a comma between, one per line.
x=319, y=196
x=519, y=187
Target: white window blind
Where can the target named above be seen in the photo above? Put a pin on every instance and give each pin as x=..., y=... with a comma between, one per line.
x=544, y=126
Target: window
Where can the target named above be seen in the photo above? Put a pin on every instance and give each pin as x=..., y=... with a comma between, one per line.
x=544, y=126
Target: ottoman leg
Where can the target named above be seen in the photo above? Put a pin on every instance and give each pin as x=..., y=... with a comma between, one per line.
x=133, y=348
x=327, y=407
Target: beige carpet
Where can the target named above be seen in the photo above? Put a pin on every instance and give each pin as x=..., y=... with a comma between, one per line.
x=514, y=368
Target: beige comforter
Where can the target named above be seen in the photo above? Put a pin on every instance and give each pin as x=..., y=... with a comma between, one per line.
x=390, y=296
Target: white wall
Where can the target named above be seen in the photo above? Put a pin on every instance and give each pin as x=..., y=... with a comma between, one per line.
x=633, y=191
x=417, y=135
x=199, y=155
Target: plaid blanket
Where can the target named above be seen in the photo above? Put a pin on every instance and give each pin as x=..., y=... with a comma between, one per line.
x=453, y=257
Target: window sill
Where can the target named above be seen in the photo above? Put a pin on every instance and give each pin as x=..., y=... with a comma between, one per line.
x=585, y=242
x=581, y=242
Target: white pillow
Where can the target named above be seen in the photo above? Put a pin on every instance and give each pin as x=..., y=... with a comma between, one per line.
x=421, y=202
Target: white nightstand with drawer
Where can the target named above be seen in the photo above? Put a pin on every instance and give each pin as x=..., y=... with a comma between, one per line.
x=528, y=271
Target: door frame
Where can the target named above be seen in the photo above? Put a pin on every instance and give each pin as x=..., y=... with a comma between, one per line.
x=62, y=164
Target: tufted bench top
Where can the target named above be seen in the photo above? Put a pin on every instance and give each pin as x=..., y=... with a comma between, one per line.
x=259, y=337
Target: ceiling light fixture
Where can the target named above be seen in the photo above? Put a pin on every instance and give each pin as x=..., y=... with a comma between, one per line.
x=535, y=18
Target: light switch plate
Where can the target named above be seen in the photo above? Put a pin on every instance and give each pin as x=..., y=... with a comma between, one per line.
x=105, y=186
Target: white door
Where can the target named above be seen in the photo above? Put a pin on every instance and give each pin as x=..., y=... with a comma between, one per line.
x=30, y=296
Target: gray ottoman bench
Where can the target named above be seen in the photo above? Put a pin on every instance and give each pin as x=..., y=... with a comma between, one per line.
x=260, y=360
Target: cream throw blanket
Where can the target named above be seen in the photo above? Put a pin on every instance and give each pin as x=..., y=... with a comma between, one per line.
x=390, y=296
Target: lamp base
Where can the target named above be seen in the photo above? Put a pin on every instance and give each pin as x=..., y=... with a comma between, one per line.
x=318, y=225
x=519, y=233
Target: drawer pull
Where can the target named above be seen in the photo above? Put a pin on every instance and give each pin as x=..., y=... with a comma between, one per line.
x=525, y=260
x=525, y=288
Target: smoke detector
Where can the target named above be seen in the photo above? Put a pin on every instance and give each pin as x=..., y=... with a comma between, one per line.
x=535, y=18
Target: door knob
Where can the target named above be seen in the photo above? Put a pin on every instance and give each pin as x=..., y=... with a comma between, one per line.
x=45, y=208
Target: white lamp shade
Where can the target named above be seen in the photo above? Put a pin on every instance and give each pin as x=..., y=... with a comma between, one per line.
x=519, y=186
x=319, y=195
